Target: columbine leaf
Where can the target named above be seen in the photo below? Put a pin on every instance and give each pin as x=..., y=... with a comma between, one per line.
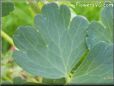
x=55, y=45
x=98, y=32
x=7, y=7
x=97, y=68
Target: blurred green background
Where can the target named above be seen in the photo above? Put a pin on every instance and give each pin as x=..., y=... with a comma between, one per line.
x=20, y=13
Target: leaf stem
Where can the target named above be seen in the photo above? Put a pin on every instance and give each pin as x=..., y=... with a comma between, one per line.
x=7, y=38
x=68, y=78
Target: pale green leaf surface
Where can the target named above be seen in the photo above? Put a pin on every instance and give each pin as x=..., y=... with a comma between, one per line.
x=98, y=32
x=55, y=45
x=97, y=68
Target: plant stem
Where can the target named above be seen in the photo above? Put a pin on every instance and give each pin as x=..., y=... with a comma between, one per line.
x=34, y=6
x=7, y=37
x=68, y=78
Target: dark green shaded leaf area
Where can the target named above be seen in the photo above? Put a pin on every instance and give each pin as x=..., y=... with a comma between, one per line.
x=54, y=81
x=7, y=7
x=56, y=44
x=19, y=80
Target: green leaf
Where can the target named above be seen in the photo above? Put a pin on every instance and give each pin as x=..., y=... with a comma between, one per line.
x=97, y=68
x=100, y=70
x=7, y=7
x=53, y=47
x=103, y=31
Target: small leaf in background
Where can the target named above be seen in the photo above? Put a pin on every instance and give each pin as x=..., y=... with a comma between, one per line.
x=103, y=30
x=7, y=7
